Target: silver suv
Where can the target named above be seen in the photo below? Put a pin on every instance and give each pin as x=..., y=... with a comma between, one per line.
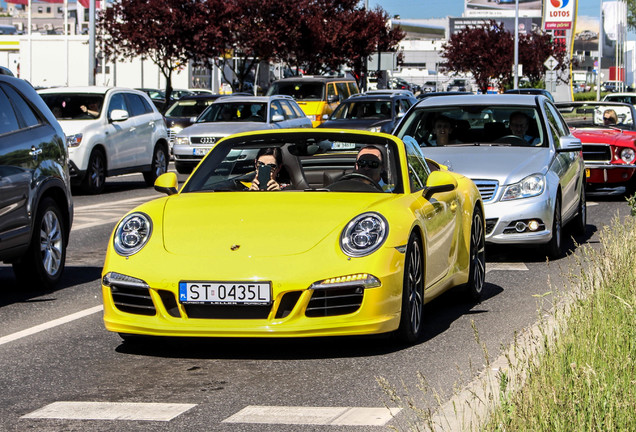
x=230, y=115
x=109, y=131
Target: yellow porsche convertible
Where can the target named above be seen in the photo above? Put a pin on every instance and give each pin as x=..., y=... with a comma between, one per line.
x=296, y=233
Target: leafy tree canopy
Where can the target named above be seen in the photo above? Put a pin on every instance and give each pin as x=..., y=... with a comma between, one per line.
x=488, y=53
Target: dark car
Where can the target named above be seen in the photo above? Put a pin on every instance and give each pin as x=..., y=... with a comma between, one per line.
x=531, y=91
x=373, y=112
x=184, y=112
x=158, y=97
x=442, y=93
x=36, y=207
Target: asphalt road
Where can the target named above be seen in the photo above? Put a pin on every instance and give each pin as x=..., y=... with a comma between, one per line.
x=60, y=370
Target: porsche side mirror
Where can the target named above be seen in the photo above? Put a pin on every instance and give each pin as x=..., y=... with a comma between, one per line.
x=167, y=183
x=438, y=182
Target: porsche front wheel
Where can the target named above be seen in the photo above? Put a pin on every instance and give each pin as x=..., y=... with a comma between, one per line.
x=410, y=328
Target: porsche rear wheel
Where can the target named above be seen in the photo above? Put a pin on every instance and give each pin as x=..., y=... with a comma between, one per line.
x=580, y=221
x=477, y=272
x=412, y=312
x=554, y=247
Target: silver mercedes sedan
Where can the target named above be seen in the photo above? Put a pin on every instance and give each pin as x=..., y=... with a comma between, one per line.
x=230, y=115
x=519, y=151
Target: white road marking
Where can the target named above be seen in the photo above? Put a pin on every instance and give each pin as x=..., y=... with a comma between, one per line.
x=48, y=325
x=591, y=203
x=104, y=213
x=336, y=416
x=110, y=411
x=506, y=266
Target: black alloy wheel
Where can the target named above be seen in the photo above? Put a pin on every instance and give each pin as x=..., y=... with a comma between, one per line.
x=410, y=329
x=95, y=177
x=554, y=246
x=477, y=272
x=580, y=221
x=159, y=165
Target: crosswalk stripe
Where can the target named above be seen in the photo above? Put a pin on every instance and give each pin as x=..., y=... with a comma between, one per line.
x=335, y=416
x=110, y=411
x=492, y=266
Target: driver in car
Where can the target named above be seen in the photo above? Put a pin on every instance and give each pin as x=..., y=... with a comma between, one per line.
x=369, y=163
x=519, y=123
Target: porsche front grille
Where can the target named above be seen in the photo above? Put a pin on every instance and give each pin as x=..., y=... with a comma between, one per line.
x=131, y=299
x=226, y=311
x=334, y=301
x=487, y=188
x=597, y=153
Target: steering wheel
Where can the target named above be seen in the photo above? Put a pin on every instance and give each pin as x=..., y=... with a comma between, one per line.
x=358, y=176
x=512, y=139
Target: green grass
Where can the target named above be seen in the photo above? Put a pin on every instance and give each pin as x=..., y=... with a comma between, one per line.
x=587, y=96
x=574, y=371
x=586, y=379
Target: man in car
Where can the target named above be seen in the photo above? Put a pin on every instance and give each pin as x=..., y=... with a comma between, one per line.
x=519, y=123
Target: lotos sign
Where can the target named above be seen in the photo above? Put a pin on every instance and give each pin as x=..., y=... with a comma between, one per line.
x=558, y=14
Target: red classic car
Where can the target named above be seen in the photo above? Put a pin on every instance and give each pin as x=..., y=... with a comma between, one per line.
x=608, y=134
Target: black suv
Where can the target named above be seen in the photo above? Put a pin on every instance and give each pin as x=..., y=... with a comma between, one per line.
x=376, y=111
x=36, y=207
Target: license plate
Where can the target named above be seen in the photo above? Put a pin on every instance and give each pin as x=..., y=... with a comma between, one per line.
x=200, y=151
x=587, y=172
x=231, y=293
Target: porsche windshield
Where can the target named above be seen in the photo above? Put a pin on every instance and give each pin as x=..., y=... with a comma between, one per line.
x=517, y=126
x=316, y=163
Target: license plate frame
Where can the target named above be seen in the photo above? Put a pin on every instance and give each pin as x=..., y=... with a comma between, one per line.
x=244, y=293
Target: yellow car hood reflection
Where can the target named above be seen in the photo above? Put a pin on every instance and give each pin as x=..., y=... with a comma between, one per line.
x=251, y=223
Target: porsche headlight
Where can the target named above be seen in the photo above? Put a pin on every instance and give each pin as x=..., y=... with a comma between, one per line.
x=364, y=234
x=182, y=140
x=74, y=140
x=132, y=234
x=533, y=185
x=627, y=155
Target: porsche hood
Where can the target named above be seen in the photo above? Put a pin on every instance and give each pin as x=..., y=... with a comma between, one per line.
x=257, y=224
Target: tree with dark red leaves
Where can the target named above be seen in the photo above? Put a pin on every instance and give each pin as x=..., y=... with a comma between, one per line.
x=488, y=53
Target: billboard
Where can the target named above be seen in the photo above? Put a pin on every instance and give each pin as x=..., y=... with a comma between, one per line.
x=503, y=8
x=559, y=14
x=525, y=24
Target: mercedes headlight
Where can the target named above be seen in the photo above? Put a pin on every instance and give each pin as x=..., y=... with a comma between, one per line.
x=182, y=140
x=364, y=234
x=132, y=234
x=533, y=185
x=627, y=155
x=74, y=140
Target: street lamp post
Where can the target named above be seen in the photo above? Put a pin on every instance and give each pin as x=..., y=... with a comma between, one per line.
x=516, y=71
